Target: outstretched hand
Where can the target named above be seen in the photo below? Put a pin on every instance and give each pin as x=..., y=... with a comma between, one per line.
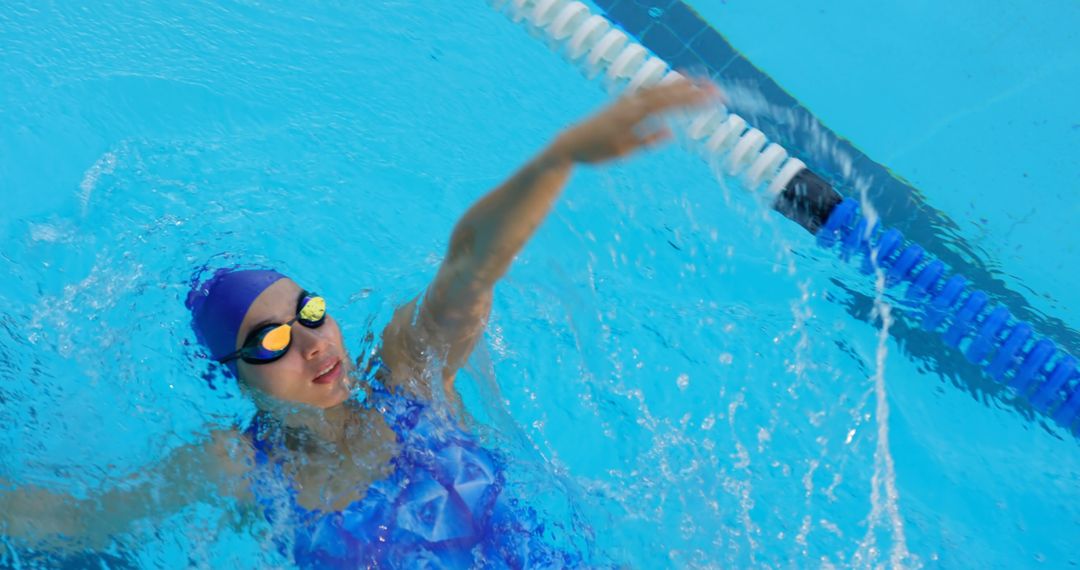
x=457, y=304
x=631, y=123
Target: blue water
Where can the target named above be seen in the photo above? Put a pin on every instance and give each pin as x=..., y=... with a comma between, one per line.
x=966, y=101
x=676, y=372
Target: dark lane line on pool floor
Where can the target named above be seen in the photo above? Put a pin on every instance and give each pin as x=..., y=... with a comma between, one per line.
x=677, y=33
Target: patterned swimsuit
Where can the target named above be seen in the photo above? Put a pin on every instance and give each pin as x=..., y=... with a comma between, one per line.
x=443, y=506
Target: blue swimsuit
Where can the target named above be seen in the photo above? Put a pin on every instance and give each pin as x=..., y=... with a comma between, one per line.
x=443, y=505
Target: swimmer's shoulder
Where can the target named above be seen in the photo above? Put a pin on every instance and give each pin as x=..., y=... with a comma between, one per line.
x=222, y=460
x=232, y=450
x=406, y=356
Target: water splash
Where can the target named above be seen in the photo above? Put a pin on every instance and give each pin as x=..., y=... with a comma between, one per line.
x=103, y=166
x=884, y=497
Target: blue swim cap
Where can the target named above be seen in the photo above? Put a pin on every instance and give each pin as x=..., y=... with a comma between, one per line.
x=218, y=306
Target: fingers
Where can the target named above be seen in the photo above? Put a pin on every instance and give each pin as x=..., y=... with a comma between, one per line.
x=679, y=94
x=656, y=137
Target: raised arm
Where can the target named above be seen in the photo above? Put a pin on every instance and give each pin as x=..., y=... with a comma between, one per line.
x=452, y=314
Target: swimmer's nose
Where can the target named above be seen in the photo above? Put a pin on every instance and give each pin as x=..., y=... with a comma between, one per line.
x=311, y=342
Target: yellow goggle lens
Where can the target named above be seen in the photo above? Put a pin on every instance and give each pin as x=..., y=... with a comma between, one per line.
x=278, y=338
x=314, y=309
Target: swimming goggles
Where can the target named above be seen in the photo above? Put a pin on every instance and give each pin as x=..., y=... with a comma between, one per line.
x=270, y=342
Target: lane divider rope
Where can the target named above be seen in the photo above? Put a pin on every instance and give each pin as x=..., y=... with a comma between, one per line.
x=1010, y=352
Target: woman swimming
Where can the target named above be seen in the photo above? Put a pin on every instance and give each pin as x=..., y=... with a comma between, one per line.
x=362, y=469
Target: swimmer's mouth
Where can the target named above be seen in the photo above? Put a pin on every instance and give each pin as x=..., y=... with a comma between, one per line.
x=329, y=374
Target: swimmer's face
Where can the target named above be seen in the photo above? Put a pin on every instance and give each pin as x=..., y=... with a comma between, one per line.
x=301, y=374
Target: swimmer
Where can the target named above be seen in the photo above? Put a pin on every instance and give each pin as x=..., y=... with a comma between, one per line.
x=360, y=466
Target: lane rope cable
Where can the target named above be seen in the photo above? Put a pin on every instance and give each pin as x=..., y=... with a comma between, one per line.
x=1007, y=349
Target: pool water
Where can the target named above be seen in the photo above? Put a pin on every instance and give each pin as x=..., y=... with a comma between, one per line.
x=681, y=377
x=987, y=133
